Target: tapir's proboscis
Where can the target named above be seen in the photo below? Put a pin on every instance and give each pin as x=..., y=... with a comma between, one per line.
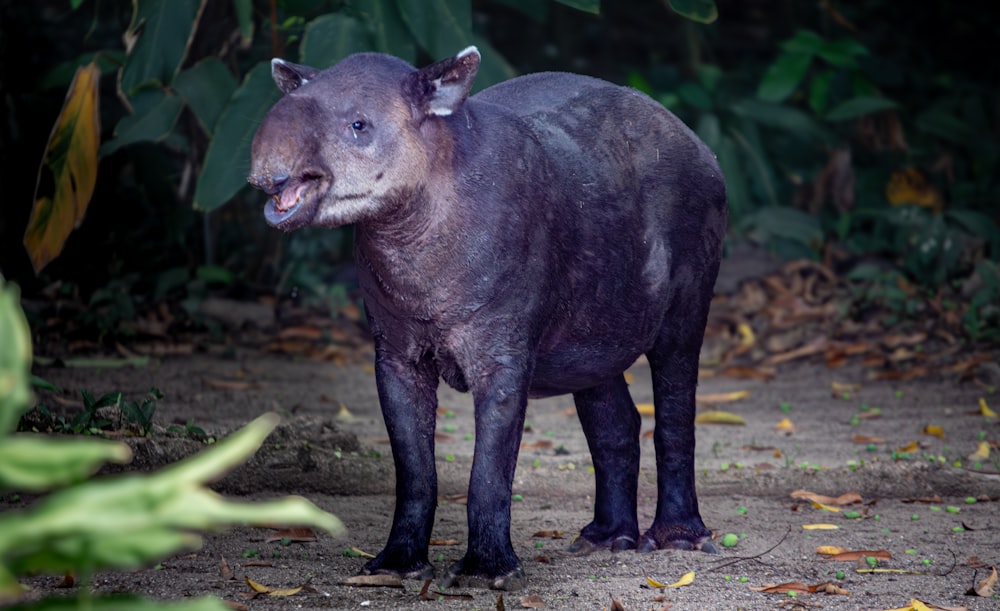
x=531, y=240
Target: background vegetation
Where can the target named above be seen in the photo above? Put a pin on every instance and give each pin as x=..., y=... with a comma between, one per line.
x=854, y=133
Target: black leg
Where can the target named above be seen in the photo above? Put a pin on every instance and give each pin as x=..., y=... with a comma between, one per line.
x=611, y=423
x=408, y=394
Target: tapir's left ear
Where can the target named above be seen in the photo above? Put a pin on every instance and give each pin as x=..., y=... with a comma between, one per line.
x=439, y=89
x=288, y=76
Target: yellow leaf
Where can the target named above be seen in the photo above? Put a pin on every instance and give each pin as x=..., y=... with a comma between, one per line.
x=719, y=417
x=824, y=507
x=685, y=580
x=785, y=425
x=919, y=605
x=840, y=388
x=262, y=589
x=257, y=587
x=653, y=583
x=985, y=587
x=645, y=409
x=723, y=397
x=747, y=338
x=985, y=409
x=629, y=377
x=935, y=430
x=913, y=446
x=829, y=550
x=982, y=451
x=71, y=157
x=820, y=526
x=910, y=186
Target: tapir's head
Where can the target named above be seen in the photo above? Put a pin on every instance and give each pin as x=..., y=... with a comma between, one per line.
x=348, y=143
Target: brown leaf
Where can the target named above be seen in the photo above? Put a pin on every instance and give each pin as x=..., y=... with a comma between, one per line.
x=532, y=601
x=68, y=580
x=224, y=571
x=427, y=594
x=985, y=587
x=296, y=535
x=379, y=580
x=814, y=346
x=782, y=588
x=445, y=542
x=829, y=588
x=541, y=444
x=855, y=555
x=548, y=534
x=867, y=439
x=723, y=397
x=236, y=606
x=764, y=374
x=848, y=498
x=263, y=563
x=232, y=384
x=616, y=605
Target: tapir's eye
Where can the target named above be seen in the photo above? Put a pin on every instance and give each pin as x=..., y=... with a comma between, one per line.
x=359, y=126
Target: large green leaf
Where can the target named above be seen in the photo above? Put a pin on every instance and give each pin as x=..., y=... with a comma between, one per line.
x=590, y=6
x=244, y=15
x=332, y=37
x=71, y=158
x=388, y=30
x=206, y=87
x=785, y=118
x=442, y=27
x=227, y=161
x=702, y=11
x=783, y=76
x=856, y=107
x=155, y=114
x=842, y=53
x=784, y=222
x=15, y=358
x=159, y=35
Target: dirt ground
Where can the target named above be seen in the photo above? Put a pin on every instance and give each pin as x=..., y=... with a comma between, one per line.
x=913, y=507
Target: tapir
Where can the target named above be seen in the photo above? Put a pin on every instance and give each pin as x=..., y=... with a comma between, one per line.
x=531, y=240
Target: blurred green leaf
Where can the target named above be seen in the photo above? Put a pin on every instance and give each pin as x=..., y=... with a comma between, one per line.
x=156, y=113
x=442, y=27
x=388, y=30
x=332, y=37
x=702, y=11
x=127, y=602
x=859, y=106
x=945, y=124
x=162, y=30
x=819, y=91
x=737, y=189
x=227, y=161
x=785, y=118
x=15, y=358
x=841, y=53
x=244, y=16
x=694, y=95
x=977, y=224
x=783, y=76
x=206, y=88
x=804, y=42
x=589, y=6
x=215, y=274
x=791, y=224
x=36, y=463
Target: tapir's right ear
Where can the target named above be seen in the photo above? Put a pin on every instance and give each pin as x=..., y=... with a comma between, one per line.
x=439, y=89
x=288, y=76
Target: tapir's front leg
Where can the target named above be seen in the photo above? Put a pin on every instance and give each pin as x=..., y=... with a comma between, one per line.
x=500, y=397
x=408, y=394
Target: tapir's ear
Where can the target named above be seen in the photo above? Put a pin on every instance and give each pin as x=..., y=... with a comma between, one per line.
x=288, y=76
x=439, y=89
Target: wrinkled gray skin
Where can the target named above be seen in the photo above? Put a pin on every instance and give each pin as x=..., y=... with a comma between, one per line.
x=531, y=240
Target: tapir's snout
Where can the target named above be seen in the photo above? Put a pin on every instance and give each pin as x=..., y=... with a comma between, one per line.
x=268, y=184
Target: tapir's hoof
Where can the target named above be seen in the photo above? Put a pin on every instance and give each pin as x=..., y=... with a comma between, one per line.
x=511, y=581
x=581, y=546
x=422, y=571
x=677, y=537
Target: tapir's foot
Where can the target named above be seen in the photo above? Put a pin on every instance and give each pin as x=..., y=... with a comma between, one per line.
x=481, y=574
x=677, y=536
x=387, y=563
x=583, y=545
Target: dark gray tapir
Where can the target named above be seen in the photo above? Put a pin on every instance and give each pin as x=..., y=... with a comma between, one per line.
x=531, y=240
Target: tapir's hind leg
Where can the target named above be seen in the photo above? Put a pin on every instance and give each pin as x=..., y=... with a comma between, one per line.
x=674, y=364
x=611, y=423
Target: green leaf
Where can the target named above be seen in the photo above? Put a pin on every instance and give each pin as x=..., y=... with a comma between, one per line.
x=819, y=91
x=783, y=76
x=977, y=224
x=841, y=53
x=856, y=107
x=161, y=30
x=537, y=11
x=784, y=222
x=737, y=188
x=332, y=37
x=156, y=113
x=205, y=88
x=589, y=6
x=15, y=358
x=944, y=124
x=227, y=160
x=128, y=602
x=785, y=118
x=244, y=16
x=441, y=27
x=702, y=11
x=804, y=42
x=695, y=95
x=388, y=30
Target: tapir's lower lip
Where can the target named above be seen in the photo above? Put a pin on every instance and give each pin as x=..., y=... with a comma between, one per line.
x=293, y=205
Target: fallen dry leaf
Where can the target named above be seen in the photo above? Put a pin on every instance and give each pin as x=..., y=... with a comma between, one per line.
x=373, y=581
x=867, y=439
x=743, y=372
x=532, y=601
x=260, y=588
x=445, y=542
x=785, y=426
x=645, y=409
x=839, y=388
x=820, y=527
x=548, y=534
x=982, y=451
x=848, y=498
x=723, y=397
x=854, y=555
x=829, y=550
x=719, y=417
x=985, y=587
x=985, y=410
x=541, y=444
x=295, y=535
x=935, y=430
x=427, y=594
x=913, y=446
x=224, y=571
x=782, y=588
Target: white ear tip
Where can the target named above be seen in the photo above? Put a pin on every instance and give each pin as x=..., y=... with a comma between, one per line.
x=470, y=50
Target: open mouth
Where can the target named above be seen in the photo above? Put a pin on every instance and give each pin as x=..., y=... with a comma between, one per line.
x=292, y=198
